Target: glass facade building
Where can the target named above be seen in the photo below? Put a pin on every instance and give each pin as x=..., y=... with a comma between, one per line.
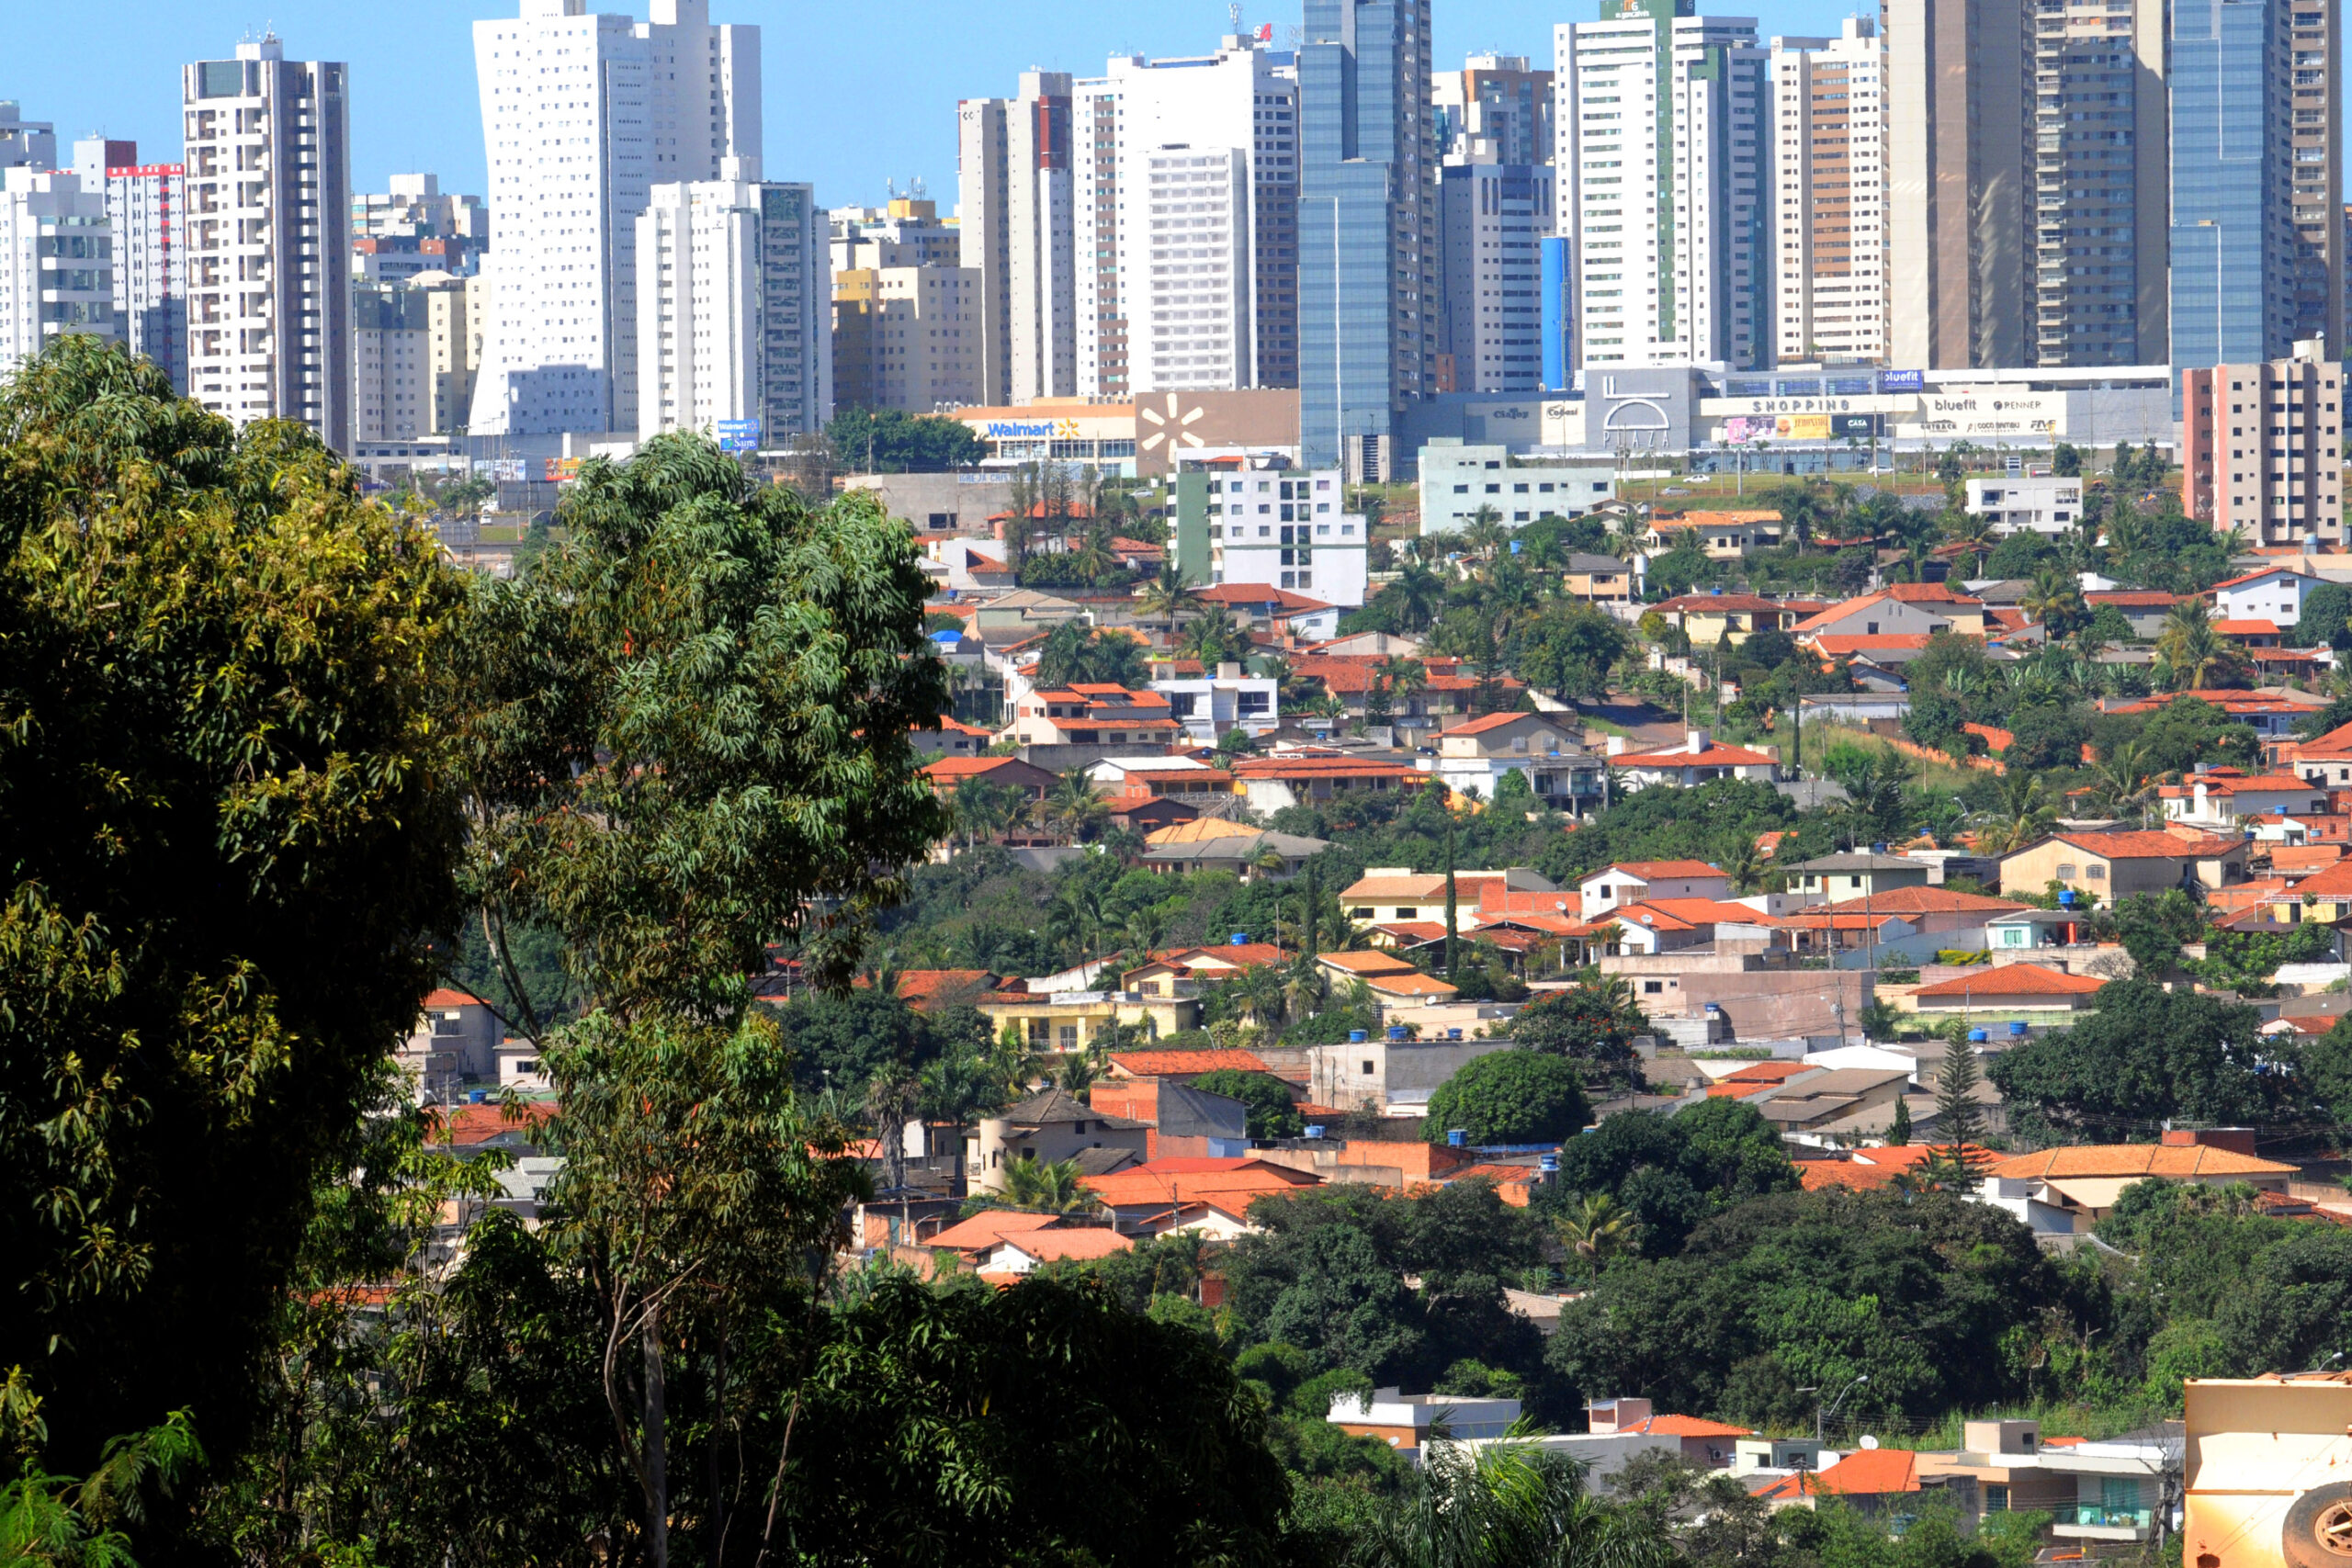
x=1368, y=297
x=2233, y=249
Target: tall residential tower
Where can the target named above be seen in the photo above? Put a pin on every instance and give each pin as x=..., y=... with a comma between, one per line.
x=582, y=115
x=1829, y=262
x=268, y=175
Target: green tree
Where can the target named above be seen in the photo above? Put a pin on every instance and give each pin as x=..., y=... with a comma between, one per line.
x=1674, y=1171
x=2149, y=1055
x=888, y=440
x=1597, y=1230
x=1570, y=649
x=228, y=846
x=1509, y=1097
x=1272, y=1113
x=1592, y=1023
x=2327, y=609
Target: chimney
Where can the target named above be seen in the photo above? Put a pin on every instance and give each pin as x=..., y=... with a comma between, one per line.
x=2236, y=1140
x=1698, y=741
x=1605, y=1416
x=1228, y=671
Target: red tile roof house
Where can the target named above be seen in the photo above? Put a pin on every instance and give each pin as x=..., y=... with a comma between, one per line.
x=2010, y=988
x=1871, y=1479
x=1630, y=882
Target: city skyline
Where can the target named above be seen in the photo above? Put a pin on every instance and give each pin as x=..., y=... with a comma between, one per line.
x=415, y=107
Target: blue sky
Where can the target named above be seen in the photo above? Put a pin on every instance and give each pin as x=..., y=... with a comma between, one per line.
x=856, y=94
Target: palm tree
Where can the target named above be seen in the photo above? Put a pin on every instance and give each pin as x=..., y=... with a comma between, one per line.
x=2056, y=601
x=1486, y=537
x=1093, y=559
x=985, y=811
x=1168, y=598
x=1598, y=1231
x=1146, y=929
x=1419, y=596
x=1974, y=532
x=2192, y=651
x=2122, y=777
x=1400, y=677
x=1265, y=993
x=1504, y=1505
x=1310, y=986
x=2026, y=814
x=1073, y=808
x=1033, y=1184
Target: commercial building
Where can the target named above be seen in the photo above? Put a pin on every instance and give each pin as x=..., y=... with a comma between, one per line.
x=1664, y=130
x=24, y=144
x=1495, y=105
x=582, y=115
x=2101, y=198
x=1960, y=182
x=1368, y=253
x=1459, y=481
x=734, y=310
x=56, y=256
x=2261, y=447
x=147, y=209
x=1133, y=278
x=268, y=263
x=1495, y=218
x=1018, y=230
x=1830, y=209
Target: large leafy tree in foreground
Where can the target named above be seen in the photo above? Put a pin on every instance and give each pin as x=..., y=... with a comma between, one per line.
x=222, y=855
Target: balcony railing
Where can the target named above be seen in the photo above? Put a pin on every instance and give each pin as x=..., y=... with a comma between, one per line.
x=2097, y=1516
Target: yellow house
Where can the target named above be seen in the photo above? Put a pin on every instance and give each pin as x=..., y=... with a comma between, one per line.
x=1598, y=579
x=1708, y=618
x=2114, y=866
x=1072, y=1020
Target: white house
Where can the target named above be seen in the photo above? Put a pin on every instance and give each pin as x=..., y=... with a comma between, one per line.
x=2218, y=797
x=1699, y=760
x=2041, y=504
x=1479, y=753
x=1631, y=882
x=2275, y=593
x=1208, y=706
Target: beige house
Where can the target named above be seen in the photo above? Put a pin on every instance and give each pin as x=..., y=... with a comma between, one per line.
x=1388, y=895
x=1598, y=579
x=1051, y=1127
x=2083, y=1182
x=1721, y=534
x=2115, y=865
x=1708, y=618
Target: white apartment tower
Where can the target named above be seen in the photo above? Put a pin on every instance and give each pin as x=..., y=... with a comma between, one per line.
x=734, y=309
x=1492, y=218
x=1830, y=214
x=582, y=116
x=1185, y=223
x=1018, y=232
x=1665, y=136
x=1241, y=99
x=147, y=204
x=24, y=144
x=56, y=262
x=268, y=171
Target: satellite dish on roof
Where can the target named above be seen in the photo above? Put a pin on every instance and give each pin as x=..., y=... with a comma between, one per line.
x=1869, y=1442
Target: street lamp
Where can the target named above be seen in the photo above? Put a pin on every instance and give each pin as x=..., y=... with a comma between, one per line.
x=1819, y=1419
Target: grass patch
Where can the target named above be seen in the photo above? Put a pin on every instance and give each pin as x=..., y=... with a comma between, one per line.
x=1946, y=777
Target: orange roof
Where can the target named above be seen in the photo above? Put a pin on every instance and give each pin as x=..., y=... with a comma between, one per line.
x=2258, y=576
x=1921, y=901
x=1714, y=756
x=1845, y=644
x=1716, y=519
x=2136, y=1159
x=463, y=1126
x=1689, y=1427
x=1705, y=603
x=1491, y=721
x=966, y=767
x=2014, y=980
x=1282, y=599
x=1872, y=1472
x=1319, y=768
x=1180, y=1063
x=2336, y=742
x=2246, y=629
x=1077, y=1242
x=445, y=997
x=1654, y=870
x=1415, y=930
x=984, y=1230
x=1367, y=964
x=1241, y=955
x=1769, y=1072
x=1162, y=1182
x=2143, y=845
x=1410, y=985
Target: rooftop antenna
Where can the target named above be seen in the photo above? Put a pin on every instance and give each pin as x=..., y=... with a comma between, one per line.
x=918, y=187
x=1234, y=13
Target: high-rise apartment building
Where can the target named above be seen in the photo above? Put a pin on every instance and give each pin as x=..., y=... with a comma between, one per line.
x=734, y=309
x=415, y=228
x=56, y=262
x=2234, y=242
x=582, y=115
x=906, y=338
x=416, y=348
x=1243, y=100
x=1495, y=218
x=147, y=206
x=2261, y=447
x=2102, y=194
x=1495, y=104
x=908, y=232
x=1018, y=232
x=1960, y=182
x=24, y=144
x=2315, y=58
x=1369, y=293
x=268, y=165
x=1184, y=244
x=1829, y=202
x=1665, y=166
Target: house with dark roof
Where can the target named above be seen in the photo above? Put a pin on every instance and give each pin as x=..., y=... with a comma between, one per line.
x=1050, y=1127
